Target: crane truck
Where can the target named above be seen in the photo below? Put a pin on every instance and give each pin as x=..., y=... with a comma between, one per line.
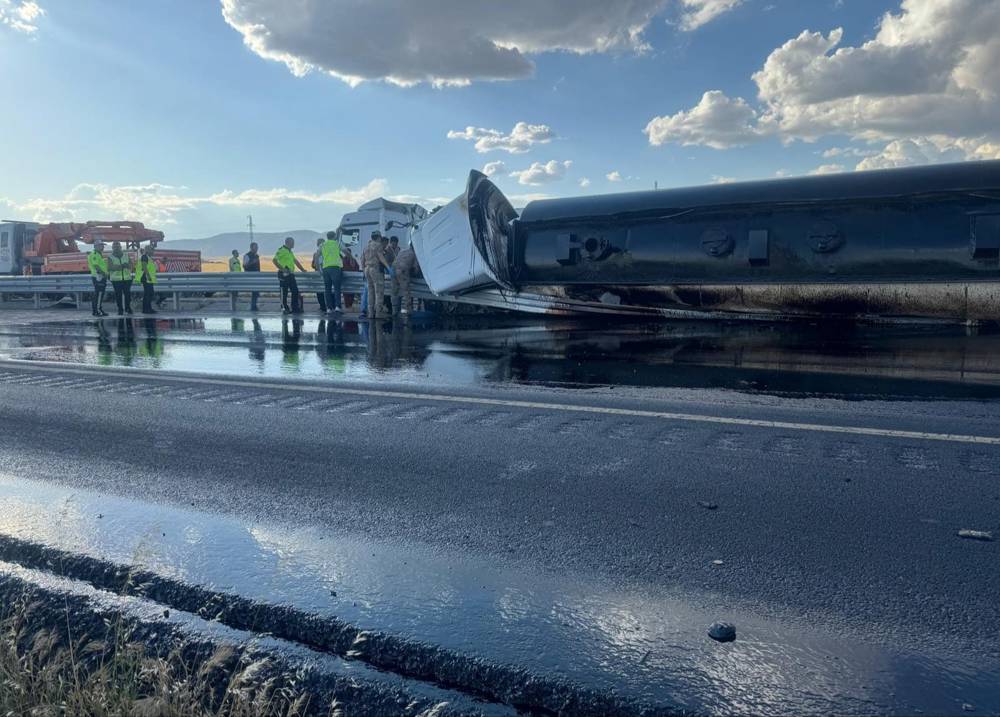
x=32, y=248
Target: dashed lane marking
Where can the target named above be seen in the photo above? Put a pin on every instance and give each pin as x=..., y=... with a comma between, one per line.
x=510, y=403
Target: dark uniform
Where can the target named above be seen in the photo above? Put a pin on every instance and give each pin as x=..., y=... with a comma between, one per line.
x=251, y=262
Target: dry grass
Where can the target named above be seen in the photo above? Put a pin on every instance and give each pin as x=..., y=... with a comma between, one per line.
x=216, y=265
x=46, y=669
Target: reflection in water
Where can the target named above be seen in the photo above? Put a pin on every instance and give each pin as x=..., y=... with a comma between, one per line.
x=649, y=647
x=790, y=359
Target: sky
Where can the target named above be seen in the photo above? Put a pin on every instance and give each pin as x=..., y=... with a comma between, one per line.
x=191, y=115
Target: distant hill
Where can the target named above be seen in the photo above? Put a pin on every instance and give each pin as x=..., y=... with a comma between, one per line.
x=223, y=244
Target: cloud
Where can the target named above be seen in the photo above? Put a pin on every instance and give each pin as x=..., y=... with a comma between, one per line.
x=929, y=150
x=491, y=168
x=848, y=152
x=828, y=169
x=20, y=15
x=159, y=204
x=584, y=182
x=717, y=121
x=931, y=70
x=614, y=176
x=539, y=173
x=719, y=179
x=444, y=42
x=522, y=138
x=701, y=12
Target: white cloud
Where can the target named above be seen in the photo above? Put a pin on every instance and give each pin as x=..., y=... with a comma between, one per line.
x=539, y=173
x=20, y=15
x=584, y=182
x=491, y=168
x=929, y=150
x=701, y=12
x=614, y=176
x=521, y=138
x=159, y=204
x=719, y=179
x=828, y=169
x=446, y=42
x=932, y=70
x=442, y=42
x=834, y=152
x=716, y=121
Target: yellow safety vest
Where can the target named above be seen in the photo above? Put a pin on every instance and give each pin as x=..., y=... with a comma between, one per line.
x=235, y=264
x=119, y=267
x=285, y=259
x=96, y=262
x=148, y=268
x=331, y=254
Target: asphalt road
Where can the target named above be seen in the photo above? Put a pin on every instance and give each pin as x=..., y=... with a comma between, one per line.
x=827, y=515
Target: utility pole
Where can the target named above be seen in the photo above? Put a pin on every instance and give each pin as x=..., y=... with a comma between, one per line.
x=250, y=224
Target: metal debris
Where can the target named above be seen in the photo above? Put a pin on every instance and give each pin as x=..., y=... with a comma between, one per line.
x=983, y=535
x=722, y=632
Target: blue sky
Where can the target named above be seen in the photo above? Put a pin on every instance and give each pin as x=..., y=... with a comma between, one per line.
x=191, y=114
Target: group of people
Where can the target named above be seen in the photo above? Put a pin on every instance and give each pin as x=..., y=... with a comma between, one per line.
x=382, y=256
x=120, y=269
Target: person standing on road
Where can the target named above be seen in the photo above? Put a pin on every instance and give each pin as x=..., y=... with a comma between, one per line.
x=350, y=264
x=401, y=269
x=251, y=262
x=317, y=266
x=98, y=266
x=146, y=272
x=375, y=263
x=286, y=262
x=333, y=270
x=235, y=266
x=120, y=268
x=393, y=251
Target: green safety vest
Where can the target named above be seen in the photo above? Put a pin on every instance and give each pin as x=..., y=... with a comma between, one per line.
x=149, y=268
x=235, y=264
x=331, y=254
x=119, y=268
x=285, y=259
x=96, y=262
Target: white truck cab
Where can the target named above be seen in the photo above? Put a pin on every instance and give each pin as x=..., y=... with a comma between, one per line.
x=382, y=215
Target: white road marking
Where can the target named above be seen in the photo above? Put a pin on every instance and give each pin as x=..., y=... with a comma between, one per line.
x=535, y=405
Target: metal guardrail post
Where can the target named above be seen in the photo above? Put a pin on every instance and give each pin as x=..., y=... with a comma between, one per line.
x=232, y=301
x=177, y=301
x=38, y=301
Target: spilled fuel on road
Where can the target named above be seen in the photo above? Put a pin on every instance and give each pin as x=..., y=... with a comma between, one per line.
x=809, y=359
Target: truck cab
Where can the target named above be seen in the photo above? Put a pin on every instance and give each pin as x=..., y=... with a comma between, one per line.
x=382, y=215
x=15, y=237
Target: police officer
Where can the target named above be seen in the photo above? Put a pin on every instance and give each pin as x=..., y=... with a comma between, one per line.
x=98, y=266
x=285, y=261
x=375, y=263
x=251, y=262
x=401, y=269
x=120, y=269
x=146, y=271
x=317, y=266
x=333, y=270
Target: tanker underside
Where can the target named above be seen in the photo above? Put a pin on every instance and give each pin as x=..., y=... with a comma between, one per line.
x=944, y=301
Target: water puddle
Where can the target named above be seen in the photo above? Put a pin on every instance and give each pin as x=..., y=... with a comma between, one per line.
x=797, y=360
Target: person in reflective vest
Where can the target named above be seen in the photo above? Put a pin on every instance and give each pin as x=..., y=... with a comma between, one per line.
x=120, y=269
x=285, y=261
x=98, y=266
x=235, y=265
x=333, y=270
x=147, y=277
x=317, y=266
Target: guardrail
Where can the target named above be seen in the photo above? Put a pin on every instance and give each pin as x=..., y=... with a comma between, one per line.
x=203, y=283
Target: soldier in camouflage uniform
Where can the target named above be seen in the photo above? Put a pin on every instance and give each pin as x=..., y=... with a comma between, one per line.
x=402, y=268
x=375, y=263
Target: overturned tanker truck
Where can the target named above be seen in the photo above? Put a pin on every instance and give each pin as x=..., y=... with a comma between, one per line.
x=919, y=242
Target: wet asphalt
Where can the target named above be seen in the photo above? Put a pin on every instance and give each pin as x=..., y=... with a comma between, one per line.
x=506, y=492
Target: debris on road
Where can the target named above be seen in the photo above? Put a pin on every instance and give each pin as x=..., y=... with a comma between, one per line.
x=717, y=563
x=707, y=505
x=983, y=535
x=722, y=632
